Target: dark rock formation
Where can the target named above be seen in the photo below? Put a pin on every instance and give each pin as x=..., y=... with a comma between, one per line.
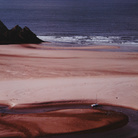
x=17, y=35
x=3, y=30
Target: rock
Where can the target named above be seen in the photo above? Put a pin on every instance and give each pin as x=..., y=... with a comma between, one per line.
x=17, y=35
x=3, y=30
x=13, y=35
x=28, y=36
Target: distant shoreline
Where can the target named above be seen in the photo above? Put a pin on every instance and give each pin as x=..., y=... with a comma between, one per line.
x=77, y=41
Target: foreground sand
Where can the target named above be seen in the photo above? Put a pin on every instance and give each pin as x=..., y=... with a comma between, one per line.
x=58, y=122
x=35, y=74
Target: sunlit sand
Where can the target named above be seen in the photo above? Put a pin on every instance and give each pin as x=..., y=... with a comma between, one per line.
x=35, y=74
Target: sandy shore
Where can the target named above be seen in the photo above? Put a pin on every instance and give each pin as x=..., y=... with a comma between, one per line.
x=35, y=74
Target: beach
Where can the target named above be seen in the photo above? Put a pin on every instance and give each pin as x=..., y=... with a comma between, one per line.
x=37, y=76
x=69, y=69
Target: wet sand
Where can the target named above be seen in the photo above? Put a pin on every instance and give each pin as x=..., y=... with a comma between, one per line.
x=36, y=74
x=61, y=121
x=68, y=119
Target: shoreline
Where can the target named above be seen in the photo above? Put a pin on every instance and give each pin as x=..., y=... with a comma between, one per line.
x=98, y=48
x=33, y=76
x=121, y=120
x=81, y=120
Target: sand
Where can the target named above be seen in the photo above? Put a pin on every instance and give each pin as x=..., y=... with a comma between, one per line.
x=58, y=122
x=35, y=74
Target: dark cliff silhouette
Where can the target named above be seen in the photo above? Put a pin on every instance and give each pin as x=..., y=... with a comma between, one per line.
x=17, y=35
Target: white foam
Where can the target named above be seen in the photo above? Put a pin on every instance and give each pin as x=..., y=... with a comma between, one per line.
x=88, y=40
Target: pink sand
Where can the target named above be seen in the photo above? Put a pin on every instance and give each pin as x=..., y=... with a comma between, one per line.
x=36, y=75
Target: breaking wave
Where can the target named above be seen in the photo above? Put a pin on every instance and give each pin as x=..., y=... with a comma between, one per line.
x=91, y=40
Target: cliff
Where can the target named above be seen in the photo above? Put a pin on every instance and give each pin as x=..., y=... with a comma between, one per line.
x=17, y=35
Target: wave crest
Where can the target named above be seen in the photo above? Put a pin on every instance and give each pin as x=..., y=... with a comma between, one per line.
x=90, y=40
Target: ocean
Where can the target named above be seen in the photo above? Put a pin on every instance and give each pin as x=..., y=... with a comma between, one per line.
x=75, y=22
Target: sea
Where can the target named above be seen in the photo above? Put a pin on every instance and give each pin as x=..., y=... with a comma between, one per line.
x=75, y=22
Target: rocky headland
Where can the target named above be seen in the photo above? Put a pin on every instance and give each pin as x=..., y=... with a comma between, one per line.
x=17, y=35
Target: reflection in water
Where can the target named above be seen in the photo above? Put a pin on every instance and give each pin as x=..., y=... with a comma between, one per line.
x=40, y=120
